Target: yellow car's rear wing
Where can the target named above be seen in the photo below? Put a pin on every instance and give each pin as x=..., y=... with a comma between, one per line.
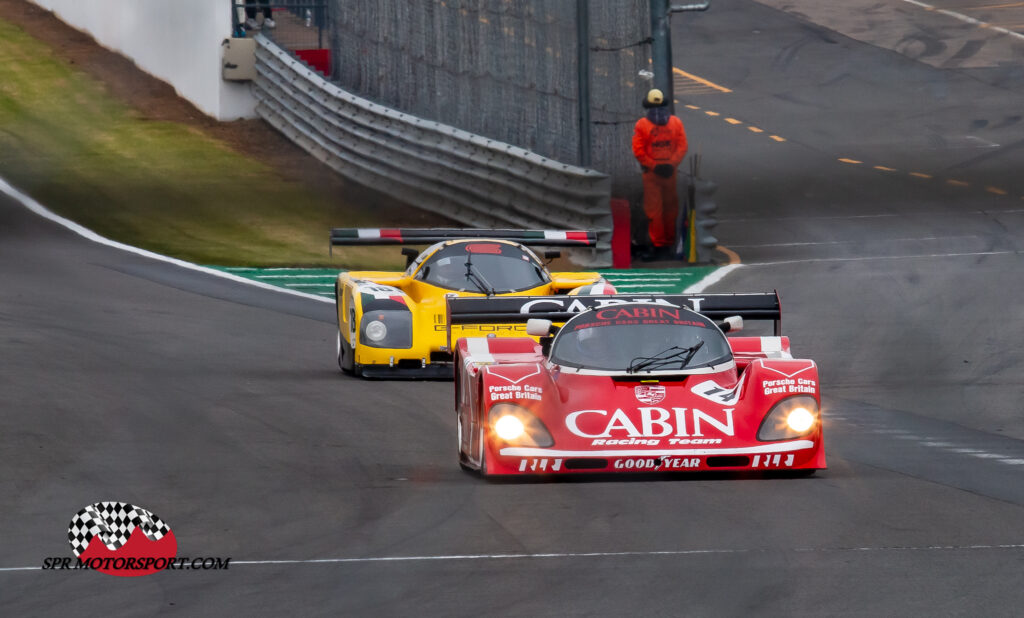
x=428, y=236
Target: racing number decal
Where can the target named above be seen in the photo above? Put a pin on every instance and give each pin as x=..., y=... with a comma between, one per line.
x=539, y=465
x=350, y=305
x=772, y=461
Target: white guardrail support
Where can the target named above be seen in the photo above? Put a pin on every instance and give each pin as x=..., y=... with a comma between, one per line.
x=471, y=179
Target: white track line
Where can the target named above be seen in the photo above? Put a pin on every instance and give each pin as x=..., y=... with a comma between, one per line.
x=814, y=218
x=661, y=282
x=255, y=268
x=610, y=554
x=330, y=277
x=849, y=242
x=88, y=234
x=626, y=554
x=965, y=18
x=665, y=279
x=909, y=215
x=884, y=257
x=641, y=275
x=711, y=279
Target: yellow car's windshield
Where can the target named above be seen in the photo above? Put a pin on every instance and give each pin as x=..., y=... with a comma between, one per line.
x=484, y=267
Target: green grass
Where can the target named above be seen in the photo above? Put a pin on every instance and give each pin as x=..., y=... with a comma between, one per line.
x=163, y=186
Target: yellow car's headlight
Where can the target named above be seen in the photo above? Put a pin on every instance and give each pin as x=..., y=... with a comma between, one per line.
x=376, y=331
x=391, y=328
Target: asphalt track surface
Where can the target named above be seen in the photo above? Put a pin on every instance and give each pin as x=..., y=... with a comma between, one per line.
x=219, y=407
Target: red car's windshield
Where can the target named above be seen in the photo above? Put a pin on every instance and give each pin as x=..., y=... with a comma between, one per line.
x=640, y=337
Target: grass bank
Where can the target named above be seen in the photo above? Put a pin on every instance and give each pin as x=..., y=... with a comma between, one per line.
x=164, y=186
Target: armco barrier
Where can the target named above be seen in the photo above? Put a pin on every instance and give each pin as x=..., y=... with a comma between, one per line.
x=466, y=177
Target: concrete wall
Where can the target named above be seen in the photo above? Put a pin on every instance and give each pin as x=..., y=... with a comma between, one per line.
x=178, y=41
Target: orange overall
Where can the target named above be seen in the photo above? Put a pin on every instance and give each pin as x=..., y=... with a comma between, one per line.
x=657, y=145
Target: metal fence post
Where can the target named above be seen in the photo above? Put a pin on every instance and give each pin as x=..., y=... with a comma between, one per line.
x=661, y=50
x=583, y=64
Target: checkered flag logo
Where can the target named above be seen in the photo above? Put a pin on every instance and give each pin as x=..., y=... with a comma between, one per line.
x=112, y=523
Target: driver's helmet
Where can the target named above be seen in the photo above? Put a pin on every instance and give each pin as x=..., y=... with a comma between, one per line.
x=447, y=271
x=589, y=344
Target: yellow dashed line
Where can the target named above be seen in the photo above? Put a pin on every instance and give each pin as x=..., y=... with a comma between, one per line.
x=700, y=80
x=949, y=181
x=734, y=121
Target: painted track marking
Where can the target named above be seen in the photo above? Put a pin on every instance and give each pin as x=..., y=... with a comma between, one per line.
x=711, y=279
x=609, y=554
x=700, y=80
x=853, y=242
x=884, y=257
x=966, y=18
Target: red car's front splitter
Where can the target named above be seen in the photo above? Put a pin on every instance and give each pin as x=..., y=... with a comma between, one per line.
x=790, y=455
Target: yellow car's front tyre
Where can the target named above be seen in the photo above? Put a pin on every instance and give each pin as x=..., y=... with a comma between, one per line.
x=346, y=357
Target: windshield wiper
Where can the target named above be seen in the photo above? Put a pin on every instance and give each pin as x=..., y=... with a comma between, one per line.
x=473, y=274
x=675, y=354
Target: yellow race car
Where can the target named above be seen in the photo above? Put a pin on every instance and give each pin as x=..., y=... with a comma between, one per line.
x=394, y=324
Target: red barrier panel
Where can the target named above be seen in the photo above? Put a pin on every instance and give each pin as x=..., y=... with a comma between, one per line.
x=319, y=59
x=622, y=234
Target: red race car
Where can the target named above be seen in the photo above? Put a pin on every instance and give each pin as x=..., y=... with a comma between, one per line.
x=633, y=384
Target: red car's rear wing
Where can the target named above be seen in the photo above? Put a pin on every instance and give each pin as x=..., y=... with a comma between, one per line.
x=429, y=236
x=518, y=309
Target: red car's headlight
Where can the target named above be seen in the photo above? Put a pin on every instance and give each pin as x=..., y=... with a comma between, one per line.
x=517, y=426
x=790, y=418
